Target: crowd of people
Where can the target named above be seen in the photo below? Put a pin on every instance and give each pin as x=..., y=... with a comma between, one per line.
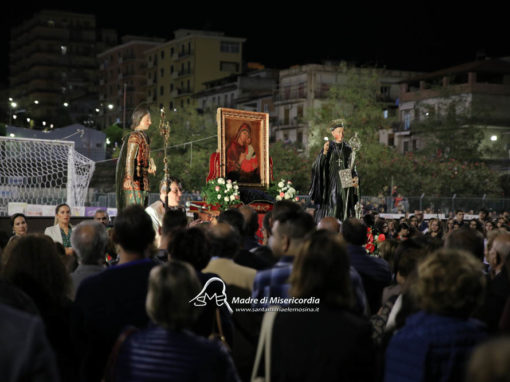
x=160, y=297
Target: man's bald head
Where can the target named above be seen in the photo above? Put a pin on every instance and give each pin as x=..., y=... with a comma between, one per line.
x=224, y=239
x=499, y=252
x=330, y=224
x=89, y=239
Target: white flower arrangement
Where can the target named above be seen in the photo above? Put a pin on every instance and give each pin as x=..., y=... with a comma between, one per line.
x=285, y=190
x=222, y=193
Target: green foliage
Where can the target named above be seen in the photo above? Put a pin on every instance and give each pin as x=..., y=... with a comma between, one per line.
x=3, y=130
x=292, y=164
x=187, y=161
x=449, y=165
x=115, y=133
x=356, y=99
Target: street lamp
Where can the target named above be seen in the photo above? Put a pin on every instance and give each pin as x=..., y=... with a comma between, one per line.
x=494, y=138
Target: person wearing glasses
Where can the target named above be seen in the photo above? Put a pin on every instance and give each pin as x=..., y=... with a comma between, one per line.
x=157, y=209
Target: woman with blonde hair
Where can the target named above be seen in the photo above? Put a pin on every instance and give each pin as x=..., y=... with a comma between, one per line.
x=435, y=342
x=169, y=351
x=61, y=231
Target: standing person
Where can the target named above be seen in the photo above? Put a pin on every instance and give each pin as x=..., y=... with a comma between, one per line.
x=61, y=231
x=157, y=209
x=101, y=216
x=332, y=343
x=168, y=351
x=35, y=268
x=19, y=225
x=326, y=189
x=114, y=298
x=135, y=164
x=436, y=342
x=435, y=229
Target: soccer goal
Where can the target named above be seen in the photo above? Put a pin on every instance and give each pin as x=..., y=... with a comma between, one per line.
x=41, y=171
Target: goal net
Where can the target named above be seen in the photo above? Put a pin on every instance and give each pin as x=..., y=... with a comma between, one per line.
x=40, y=171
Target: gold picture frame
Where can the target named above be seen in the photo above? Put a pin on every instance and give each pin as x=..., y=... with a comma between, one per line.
x=243, y=143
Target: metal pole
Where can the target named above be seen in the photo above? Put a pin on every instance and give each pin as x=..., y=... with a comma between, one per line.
x=124, y=108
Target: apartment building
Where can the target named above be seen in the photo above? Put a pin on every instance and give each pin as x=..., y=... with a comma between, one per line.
x=178, y=69
x=479, y=90
x=304, y=87
x=122, y=83
x=53, y=67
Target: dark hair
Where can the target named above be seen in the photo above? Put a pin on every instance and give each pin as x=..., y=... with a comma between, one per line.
x=171, y=179
x=408, y=254
x=133, y=229
x=192, y=246
x=224, y=239
x=35, y=267
x=15, y=216
x=234, y=218
x=295, y=224
x=369, y=220
x=266, y=223
x=140, y=112
x=354, y=231
x=321, y=270
x=251, y=220
x=283, y=206
x=466, y=240
x=171, y=287
x=172, y=220
x=60, y=206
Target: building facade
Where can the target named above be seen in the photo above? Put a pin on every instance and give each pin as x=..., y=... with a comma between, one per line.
x=122, y=83
x=480, y=91
x=305, y=87
x=179, y=68
x=251, y=91
x=53, y=67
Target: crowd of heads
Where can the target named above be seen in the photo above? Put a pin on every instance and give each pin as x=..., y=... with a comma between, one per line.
x=442, y=266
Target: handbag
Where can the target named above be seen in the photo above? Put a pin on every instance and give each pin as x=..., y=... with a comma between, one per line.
x=109, y=375
x=219, y=335
x=264, y=346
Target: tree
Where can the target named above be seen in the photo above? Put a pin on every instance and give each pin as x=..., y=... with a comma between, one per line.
x=290, y=163
x=430, y=171
x=192, y=141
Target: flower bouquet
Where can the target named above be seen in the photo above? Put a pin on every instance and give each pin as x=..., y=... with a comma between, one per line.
x=284, y=190
x=221, y=193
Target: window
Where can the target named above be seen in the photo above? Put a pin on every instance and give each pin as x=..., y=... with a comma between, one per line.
x=162, y=53
x=229, y=47
x=406, y=146
x=226, y=66
x=406, y=117
x=161, y=72
x=161, y=90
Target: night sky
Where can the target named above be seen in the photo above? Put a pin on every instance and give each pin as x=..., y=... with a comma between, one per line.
x=412, y=35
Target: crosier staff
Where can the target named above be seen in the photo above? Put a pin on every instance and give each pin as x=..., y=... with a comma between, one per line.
x=164, y=130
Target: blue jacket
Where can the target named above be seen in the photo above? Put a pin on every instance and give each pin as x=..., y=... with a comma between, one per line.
x=432, y=348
